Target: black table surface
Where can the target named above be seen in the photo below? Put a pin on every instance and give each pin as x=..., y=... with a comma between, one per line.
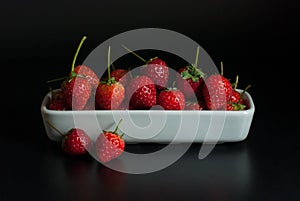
x=254, y=39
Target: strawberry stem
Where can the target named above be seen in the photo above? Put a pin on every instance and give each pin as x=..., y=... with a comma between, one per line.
x=108, y=62
x=56, y=129
x=247, y=87
x=197, y=55
x=55, y=80
x=236, y=82
x=77, y=51
x=116, y=129
x=222, y=72
x=135, y=54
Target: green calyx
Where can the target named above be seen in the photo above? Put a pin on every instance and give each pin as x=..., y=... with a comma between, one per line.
x=238, y=106
x=109, y=81
x=193, y=73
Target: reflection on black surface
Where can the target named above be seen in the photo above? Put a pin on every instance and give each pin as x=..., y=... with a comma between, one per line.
x=222, y=175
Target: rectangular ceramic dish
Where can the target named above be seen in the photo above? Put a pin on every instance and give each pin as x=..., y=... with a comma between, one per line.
x=155, y=126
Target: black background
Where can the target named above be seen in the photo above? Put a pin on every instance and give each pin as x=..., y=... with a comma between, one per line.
x=256, y=39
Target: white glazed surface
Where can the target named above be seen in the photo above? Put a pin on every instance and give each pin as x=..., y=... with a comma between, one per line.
x=155, y=126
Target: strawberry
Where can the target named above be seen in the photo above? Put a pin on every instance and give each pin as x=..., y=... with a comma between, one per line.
x=190, y=79
x=141, y=93
x=158, y=71
x=76, y=92
x=217, y=91
x=76, y=142
x=236, y=101
x=57, y=105
x=171, y=99
x=57, y=101
x=110, y=93
x=76, y=89
x=121, y=75
x=109, y=145
x=154, y=68
x=88, y=73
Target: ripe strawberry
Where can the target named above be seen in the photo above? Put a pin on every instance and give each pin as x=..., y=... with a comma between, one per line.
x=236, y=101
x=57, y=105
x=57, y=101
x=141, y=93
x=158, y=71
x=155, y=68
x=110, y=93
x=76, y=88
x=121, y=75
x=76, y=92
x=217, y=91
x=76, y=142
x=171, y=99
x=109, y=145
x=89, y=74
x=190, y=79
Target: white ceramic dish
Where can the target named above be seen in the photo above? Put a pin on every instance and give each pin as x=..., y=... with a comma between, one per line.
x=155, y=126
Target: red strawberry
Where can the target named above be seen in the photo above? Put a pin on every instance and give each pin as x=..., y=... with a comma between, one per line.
x=57, y=101
x=56, y=95
x=57, y=105
x=109, y=96
x=110, y=93
x=236, y=101
x=217, y=91
x=190, y=79
x=76, y=142
x=121, y=75
x=235, y=97
x=158, y=71
x=76, y=88
x=88, y=73
x=109, y=145
x=76, y=92
x=171, y=99
x=155, y=68
x=141, y=93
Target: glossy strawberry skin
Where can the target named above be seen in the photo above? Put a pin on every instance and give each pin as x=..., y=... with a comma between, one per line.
x=57, y=105
x=76, y=92
x=110, y=96
x=158, y=71
x=88, y=73
x=76, y=142
x=141, y=93
x=236, y=97
x=189, y=87
x=109, y=146
x=121, y=75
x=217, y=91
x=171, y=99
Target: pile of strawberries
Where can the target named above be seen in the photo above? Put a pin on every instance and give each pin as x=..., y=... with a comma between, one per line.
x=192, y=89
